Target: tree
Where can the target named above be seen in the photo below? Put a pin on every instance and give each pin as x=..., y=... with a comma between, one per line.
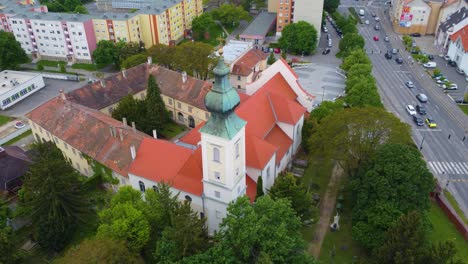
x=271, y=59
x=124, y=222
x=54, y=196
x=442, y=253
x=127, y=194
x=350, y=42
x=357, y=56
x=156, y=114
x=70, y=5
x=325, y=109
x=349, y=27
x=132, y=109
x=299, y=38
x=267, y=227
x=55, y=7
x=134, y=60
x=130, y=49
x=288, y=187
x=202, y=24
x=100, y=250
x=259, y=187
x=230, y=15
x=363, y=93
x=360, y=70
x=395, y=182
x=11, y=53
x=10, y=254
x=201, y=61
x=81, y=10
x=163, y=55
x=352, y=136
x=331, y=5
x=104, y=53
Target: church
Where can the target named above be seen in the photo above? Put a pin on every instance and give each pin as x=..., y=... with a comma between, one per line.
x=245, y=135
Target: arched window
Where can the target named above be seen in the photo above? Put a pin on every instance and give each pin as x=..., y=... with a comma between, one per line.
x=191, y=122
x=142, y=186
x=180, y=117
x=188, y=198
x=155, y=188
x=216, y=154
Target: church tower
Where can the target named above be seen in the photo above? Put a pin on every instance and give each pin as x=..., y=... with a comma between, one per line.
x=223, y=149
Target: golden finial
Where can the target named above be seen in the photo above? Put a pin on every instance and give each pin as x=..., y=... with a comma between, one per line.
x=220, y=51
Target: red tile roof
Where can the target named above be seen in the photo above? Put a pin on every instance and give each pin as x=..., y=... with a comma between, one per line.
x=193, y=136
x=245, y=65
x=251, y=188
x=286, y=110
x=164, y=161
x=88, y=131
x=258, y=152
x=278, y=138
x=463, y=34
x=93, y=95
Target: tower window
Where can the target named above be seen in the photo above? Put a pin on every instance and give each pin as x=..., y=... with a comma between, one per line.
x=268, y=172
x=217, y=175
x=237, y=150
x=216, y=154
x=217, y=194
x=142, y=186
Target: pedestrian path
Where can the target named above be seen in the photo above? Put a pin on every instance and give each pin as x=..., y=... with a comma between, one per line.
x=448, y=167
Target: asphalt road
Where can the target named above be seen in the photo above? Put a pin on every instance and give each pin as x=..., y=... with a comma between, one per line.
x=443, y=148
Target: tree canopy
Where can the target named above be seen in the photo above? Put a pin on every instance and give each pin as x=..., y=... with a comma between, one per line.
x=108, y=52
x=298, y=38
x=357, y=56
x=352, y=136
x=331, y=5
x=350, y=42
x=202, y=24
x=54, y=196
x=229, y=15
x=363, y=93
x=11, y=53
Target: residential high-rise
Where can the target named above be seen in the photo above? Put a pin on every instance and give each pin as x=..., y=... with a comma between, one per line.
x=290, y=11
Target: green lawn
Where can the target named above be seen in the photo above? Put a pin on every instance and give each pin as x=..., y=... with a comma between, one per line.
x=171, y=130
x=338, y=246
x=464, y=108
x=444, y=230
x=16, y=139
x=454, y=204
x=4, y=119
x=84, y=66
x=50, y=63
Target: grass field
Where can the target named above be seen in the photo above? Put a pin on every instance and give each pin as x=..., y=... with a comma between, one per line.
x=464, y=108
x=50, y=63
x=444, y=230
x=171, y=130
x=4, y=119
x=84, y=66
x=455, y=205
x=16, y=139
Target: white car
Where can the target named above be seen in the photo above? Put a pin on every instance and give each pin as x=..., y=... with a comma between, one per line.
x=19, y=125
x=367, y=22
x=430, y=64
x=410, y=109
x=377, y=19
x=446, y=57
x=409, y=84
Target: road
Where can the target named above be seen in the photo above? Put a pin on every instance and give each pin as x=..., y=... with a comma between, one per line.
x=444, y=148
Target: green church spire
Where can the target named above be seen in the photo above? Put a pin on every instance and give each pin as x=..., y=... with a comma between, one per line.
x=221, y=102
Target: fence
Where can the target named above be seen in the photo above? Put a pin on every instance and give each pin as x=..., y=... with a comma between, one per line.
x=444, y=204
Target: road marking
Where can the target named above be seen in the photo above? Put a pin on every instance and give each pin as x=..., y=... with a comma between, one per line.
x=438, y=169
x=430, y=130
x=446, y=167
x=454, y=167
x=465, y=169
x=432, y=165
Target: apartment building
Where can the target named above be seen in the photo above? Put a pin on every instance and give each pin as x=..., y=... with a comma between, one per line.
x=290, y=11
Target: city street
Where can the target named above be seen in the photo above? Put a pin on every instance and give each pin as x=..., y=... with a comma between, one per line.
x=445, y=147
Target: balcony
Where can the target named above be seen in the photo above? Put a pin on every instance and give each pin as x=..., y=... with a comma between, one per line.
x=70, y=46
x=67, y=39
x=66, y=32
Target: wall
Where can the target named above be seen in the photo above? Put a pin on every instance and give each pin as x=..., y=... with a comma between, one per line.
x=303, y=10
x=31, y=86
x=433, y=21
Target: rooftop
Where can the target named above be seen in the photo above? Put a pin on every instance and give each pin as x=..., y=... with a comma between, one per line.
x=454, y=19
x=234, y=49
x=14, y=163
x=260, y=25
x=10, y=79
x=245, y=65
x=463, y=34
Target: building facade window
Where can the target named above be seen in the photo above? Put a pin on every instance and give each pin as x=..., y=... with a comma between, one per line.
x=217, y=194
x=142, y=186
x=216, y=155
x=217, y=175
x=188, y=198
x=237, y=150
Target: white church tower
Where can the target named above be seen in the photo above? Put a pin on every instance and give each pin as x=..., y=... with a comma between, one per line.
x=223, y=149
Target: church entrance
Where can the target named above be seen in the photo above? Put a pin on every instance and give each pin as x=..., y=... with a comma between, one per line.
x=191, y=122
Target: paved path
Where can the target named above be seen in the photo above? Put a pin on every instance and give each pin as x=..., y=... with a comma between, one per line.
x=327, y=207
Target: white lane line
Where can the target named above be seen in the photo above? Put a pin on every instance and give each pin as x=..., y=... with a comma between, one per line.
x=460, y=167
x=447, y=167
x=439, y=170
x=452, y=164
x=464, y=166
x=434, y=169
x=430, y=130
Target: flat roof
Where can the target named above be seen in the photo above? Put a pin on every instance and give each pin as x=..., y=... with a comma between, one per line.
x=234, y=49
x=260, y=25
x=11, y=79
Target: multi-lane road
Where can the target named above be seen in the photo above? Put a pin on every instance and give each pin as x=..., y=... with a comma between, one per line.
x=445, y=147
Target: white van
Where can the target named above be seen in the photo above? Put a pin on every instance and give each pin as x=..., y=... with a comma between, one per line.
x=430, y=64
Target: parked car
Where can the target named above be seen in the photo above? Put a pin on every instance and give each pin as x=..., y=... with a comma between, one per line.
x=387, y=39
x=366, y=22
x=460, y=71
x=377, y=27
x=388, y=56
x=326, y=51
x=446, y=57
x=420, y=109
x=394, y=51
x=442, y=80
x=430, y=57
x=413, y=44
x=377, y=19
x=410, y=109
x=430, y=64
x=422, y=98
x=460, y=101
x=418, y=121
x=19, y=125
x=409, y=84
x=415, y=35
x=431, y=123
x=376, y=38
x=325, y=29
x=452, y=86
x=277, y=50
x=374, y=15
x=328, y=36
x=452, y=63
x=399, y=60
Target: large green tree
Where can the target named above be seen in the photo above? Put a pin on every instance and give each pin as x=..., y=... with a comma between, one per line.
x=352, y=136
x=11, y=53
x=132, y=109
x=108, y=52
x=163, y=55
x=230, y=15
x=134, y=60
x=363, y=93
x=100, y=250
x=299, y=38
x=357, y=56
x=331, y=5
x=130, y=49
x=395, y=182
x=54, y=195
x=201, y=60
x=202, y=24
x=10, y=254
x=156, y=113
x=287, y=186
x=350, y=42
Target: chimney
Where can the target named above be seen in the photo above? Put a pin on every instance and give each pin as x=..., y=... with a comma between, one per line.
x=124, y=73
x=112, y=131
x=121, y=134
x=62, y=95
x=103, y=82
x=124, y=121
x=133, y=152
x=184, y=77
x=133, y=126
x=155, y=134
x=150, y=60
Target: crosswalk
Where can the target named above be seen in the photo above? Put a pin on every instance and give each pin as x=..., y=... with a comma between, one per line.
x=447, y=167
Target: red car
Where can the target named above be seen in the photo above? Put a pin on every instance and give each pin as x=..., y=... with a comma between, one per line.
x=277, y=50
x=376, y=38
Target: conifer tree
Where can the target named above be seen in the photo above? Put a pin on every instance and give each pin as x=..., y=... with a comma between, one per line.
x=156, y=114
x=259, y=187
